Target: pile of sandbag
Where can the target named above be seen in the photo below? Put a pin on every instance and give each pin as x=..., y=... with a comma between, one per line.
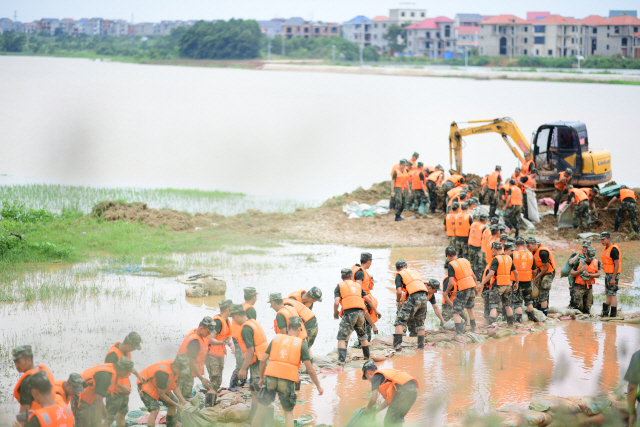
x=360, y=210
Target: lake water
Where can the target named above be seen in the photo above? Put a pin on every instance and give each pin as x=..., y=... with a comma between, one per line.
x=275, y=134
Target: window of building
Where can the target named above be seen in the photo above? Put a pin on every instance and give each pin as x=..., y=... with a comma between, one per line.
x=573, y=52
x=375, y=37
x=550, y=52
x=537, y=51
x=355, y=37
x=538, y=40
x=413, y=14
x=512, y=30
x=448, y=44
x=607, y=47
x=539, y=29
x=384, y=25
x=428, y=34
x=334, y=30
x=357, y=26
x=401, y=13
x=481, y=50
x=438, y=35
x=495, y=28
x=409, y=44
x=317, y=30
x=422, y=15
x=616, y=30
x=624, y=41
x=525, y=40
x=375, y=25
x=607, y=34
x=526, y=29
x=608, y=27
x=288, y=29
x=525, y=51
x=306, y=30
x=447, y=31
x=573, y=41
x=573, y=29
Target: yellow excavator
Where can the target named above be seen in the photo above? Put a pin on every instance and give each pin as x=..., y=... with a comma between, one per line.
x=556, y=147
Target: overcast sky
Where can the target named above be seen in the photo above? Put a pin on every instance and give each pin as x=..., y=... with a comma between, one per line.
x=319, y=10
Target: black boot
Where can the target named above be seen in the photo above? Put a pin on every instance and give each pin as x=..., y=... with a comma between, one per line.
x=544, y=311
x=605, y=310
x=172, y=420
x=504, y=313
x=342, y=356
x=233, y=383
x=420, y=342
x=365, y=352
x=399, y=218
x=473, y=324
x=518, y=318
x=510, y=320
x=614, y=312
x=459, y=328
x=492, y=320
x=397, y=342
x=530, y=315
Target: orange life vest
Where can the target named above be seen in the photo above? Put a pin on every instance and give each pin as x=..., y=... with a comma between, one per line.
x=492, y=180
x=456, y=179
x=526, y=167
x=285, y=358
x=372, y=310
x=475, y=234
x=486, y=235
x=149, y=374
x=488, y=253
x=396, y=168
x=59, y=390
x=89, y=394
x=516, y=196
x=552, y=262
x=202, y=354
x=529, y=183
x=58, y=415
x=259, y=340
x=607, y=261
x=483, y=181
x=297, y=295
x=505, y=187
x=416, y=182
x=450, y=222
x=463, y=274
x=592, y=268
x=445, y=286
x=516, y=176
x=225, y=332
x=454, y=192
x=236, y=329
x=393, y=379
x=523, y=260
x=484, y=276
x=412, y=281
x=503, y=273
x=588, y=192
x=401, y=179
x=562, y=181
x=351, y=294
x=625, y=193
x=579, y=195
x=437, y=177
x=303, y=311
x=462, y=224
x=123, y=380
x=287, y=311
x=367, y=283
x=35, y=370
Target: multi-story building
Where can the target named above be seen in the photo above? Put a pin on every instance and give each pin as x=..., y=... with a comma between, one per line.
x=31, y=28
x=435, y=37
x=506, y=35
x=379, y=28
x=143, y=29
x=93, y=27
x=118, y=28
x=407, y=15
x=48, y=24
x=271, y=28
x=371, y=32
x=468, y=20
x=298, y=27
x=467, y=26
x=618, y=35
x=358, y=30
x=18, y=27
x=555, y=36
x=67, y=25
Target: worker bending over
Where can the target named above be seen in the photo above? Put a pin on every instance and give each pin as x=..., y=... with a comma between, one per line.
x=413, y=310
x=628, y=201
x=499, y=276
x=461, y=278
x=561, y=184
x=49, y=412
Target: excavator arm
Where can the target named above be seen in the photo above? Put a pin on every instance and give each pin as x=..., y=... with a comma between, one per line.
x=504, y=126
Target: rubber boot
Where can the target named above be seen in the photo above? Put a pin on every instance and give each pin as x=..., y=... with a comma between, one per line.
x=510, y=320
x=544, y=311
x=399, y=218
x=252, y=413
x=420, y=342
x=459, y=328
x=518, y=318
x=342, y=356
x=397, y=342
x=473, y=324
x=210, y=399
x=614, y=312
x=504, y=313
x=530, y=315
x=172, y=420
x=492, y=320
x=605, y=310
x=365, y=352
x=233, y=383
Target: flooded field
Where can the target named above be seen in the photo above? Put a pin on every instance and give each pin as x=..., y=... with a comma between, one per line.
x=72, y=314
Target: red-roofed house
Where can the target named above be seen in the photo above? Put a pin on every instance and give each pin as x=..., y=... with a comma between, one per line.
x=467, y=36
x=618, y=35
x=536, y=16
x=432, y=37
x=506, y=35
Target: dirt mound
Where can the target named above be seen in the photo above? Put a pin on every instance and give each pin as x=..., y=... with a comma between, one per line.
x=377, y=192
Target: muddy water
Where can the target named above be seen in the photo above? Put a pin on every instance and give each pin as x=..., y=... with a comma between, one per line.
x=113, y=124
x=72, y=333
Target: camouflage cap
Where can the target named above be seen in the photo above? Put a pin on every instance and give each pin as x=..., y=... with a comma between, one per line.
x=586, y=243
x=208, y=323
x=464, y=205
x=295, y=322
x=403, y=161
x=22, y=351
x=346, y=272
x=512, y=181
x=498, y=167
x=569, y=171
x=440, y=168
x=595, y=189
x=250, y=293
x=504, y=236
x=182, y=363
x=605, y=235
x=315, y=293
x=455, y=205
x=277, y=296
x=483, y=217
x=623, y=186
x=236, y=309
x=493, y=228
x=534, y=170
x=518, y=169
x=496, y=245
x=511, y=240
x=502, y=227
x=124, y=364
x=415, y=154
x=494, y=220
x=369, y=364
x=76, y=382
x=365, y=256
x=401, y=264
x=134, y=339
x=224, y=304
x=527, y=154
x=509, y=246
x=420, y=164
x=591, y=252
x=434, y=283
x=570, y=187
x=473, y=182
x=463, y=194
x=530, y=240
x=519, y=240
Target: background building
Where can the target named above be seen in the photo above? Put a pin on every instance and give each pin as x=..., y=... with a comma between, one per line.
x=434, y=37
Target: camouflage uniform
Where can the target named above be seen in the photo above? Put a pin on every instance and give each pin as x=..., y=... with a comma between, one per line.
x=581, y=213
x=629, y=205
x=433, y=195
x=521, y=297
x=312, y=334
x=353, y=321
x=512, y=217
x=185, y=383
x=499, y=294
x=611, y=288
x=485, y=300
x=413, y=312
x=417, y=198
x=475, y=259
x=464, y=299
x=215, y=365
x=452, y=241
x=544, y=288
x=582, y=298
x=493, y=202
x=151, y=403
x=85, y=415
x=117, y=403
x=462, y=247
x=239, y=357
x=399, y=200
x=447, y=313
x=285, y=389
x=254, y=371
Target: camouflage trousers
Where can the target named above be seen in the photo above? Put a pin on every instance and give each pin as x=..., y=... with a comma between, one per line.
x=452, y=241
x=185, y=384
x=433, y=195
x=401, y=404
x=399, y=200
x=582, y=298
x=214, y=365
x=447, y=313
x=557, y=198
x=85, y=415
x=446, y=186
x=544, y=286
x=493, y=202
x=465, y=299
x=462, y=247
x=611, y=284
x=500, y=295
x=151, y=403
x=521, y=297
x=416, y=199
x=285, y=389
x=581, y=213
x=525, y=206
x=352, y=321
x=628, y=206
x=253, y=375
x=239, y=357
x=475, y=259
x=312, y=333
x=512, y=218
x=117, y=403
x=413, y=312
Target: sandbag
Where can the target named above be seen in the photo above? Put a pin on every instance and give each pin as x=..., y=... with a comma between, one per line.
x=532, y=206
x=566, y=270
x=591, y=405
x=539, y=316
x=555, y=405
x=531, y=417
x=360, y=419
x=190, y=416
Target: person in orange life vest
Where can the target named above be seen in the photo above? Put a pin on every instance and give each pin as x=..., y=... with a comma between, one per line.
x=419, y=193
x=433, y=286
x=516, y=295
x=494, y=181
x=413, y=160
x=23, y=361
x=361, y=276
x=464, y=220
x=585, y=271
x=453, y=182
x=513, y=207
x=400, y=166
x=70, y=389
x=413, y=309
x=463, y=280
x=544, y=267
x=307, y=298
x=591, y=193
x=160, y=387
x=483, y=189
x=434, y=180
x=561, y=184
x=250, y=298
x=283, y=314
x=450, y=223
x=195, y=346
x=611, y=262
x=98, y=380
x=523, y=261
x=117, y=401
x=499, y=275
x=475, y=243
x=517, y=174
x=528, y=164
x=579, y=201
x=398, y=389
x=253, y=342
x=628, y=201
x=447, y=303
x=51, y=412
x=285, y=354
x=399, y=191
x=219, y=339
x=527, y=181
x=352, y=298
